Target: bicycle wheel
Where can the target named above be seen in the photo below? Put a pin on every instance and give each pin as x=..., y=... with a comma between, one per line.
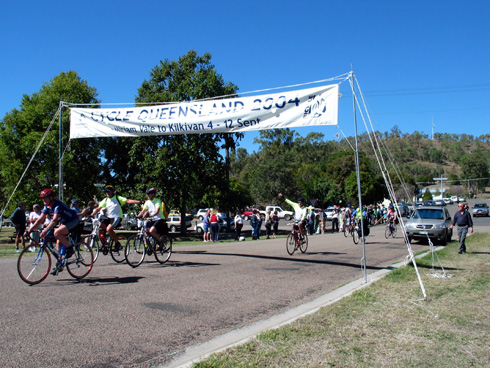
x=355, y=236
x=95, y=246
x=387, y=232
x=393, y=233
x=81, y=262
x=117, y=254
x=135, y=251
x=291, y=244
x=303, y=246
x=34, y=268
x=163, y=251
x=346, y=231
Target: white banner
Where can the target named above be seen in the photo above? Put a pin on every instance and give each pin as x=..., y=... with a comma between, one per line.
x=307, y=107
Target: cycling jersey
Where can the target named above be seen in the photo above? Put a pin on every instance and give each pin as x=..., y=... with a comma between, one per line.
x=66, y=214
x=113, y=206
x=299, y=212
x=152, y=205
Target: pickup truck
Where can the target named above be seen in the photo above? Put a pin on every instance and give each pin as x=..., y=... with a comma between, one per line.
x=286, y=215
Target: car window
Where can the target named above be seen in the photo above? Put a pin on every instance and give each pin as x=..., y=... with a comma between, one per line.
x=428, y=214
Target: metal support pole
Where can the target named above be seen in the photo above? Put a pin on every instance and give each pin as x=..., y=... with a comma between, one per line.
x=358, y=179
x=60, y=163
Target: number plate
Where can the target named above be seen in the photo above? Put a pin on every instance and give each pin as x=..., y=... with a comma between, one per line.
x=423, y=232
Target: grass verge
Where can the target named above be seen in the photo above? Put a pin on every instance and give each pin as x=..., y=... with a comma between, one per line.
x=386, y=324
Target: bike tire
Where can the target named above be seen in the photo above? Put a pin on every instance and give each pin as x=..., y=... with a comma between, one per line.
x=34, y=269
x=80, y=264
x=303, y=246
x=355, y=236
x=163, y=251
x=346, y=231
x=94, y=244
x=291, y=244
x=387, y=232
x=135, y=251
x=118, y=255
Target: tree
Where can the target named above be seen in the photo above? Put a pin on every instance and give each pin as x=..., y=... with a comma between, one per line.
x=475, y=166
x=188, y=168
x=22, y=130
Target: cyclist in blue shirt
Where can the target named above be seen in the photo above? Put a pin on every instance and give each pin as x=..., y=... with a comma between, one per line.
x=60, y=213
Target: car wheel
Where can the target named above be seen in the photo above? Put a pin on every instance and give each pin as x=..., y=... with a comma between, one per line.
x=245, y=218
x=410, y=240
x=287, y=218
x=200, y=217
x=200, y=230
x=173, y=229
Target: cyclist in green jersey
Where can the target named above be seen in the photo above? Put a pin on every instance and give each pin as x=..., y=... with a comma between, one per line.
x=155, y=209
x=300, y=212
x=112, y=217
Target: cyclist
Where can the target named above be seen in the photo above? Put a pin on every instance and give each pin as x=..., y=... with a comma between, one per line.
x=112, y=205
x=155, y=209
x=391, y=217
x=62, y=214
x=300, y=212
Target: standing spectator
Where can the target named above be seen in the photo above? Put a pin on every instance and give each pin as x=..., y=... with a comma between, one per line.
x=464, y=221
x=75, y=206
x=311, y=221
x=18, y=218
x=255, y=224
x=206, y=226
x=268, y=224
x=335, y=220
x=238, y=226
x=275, y=224
x=214, y=225
x=33, y=216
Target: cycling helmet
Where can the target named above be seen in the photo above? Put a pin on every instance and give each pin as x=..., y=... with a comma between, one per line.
x=110, y=188
x=391, y=207
x=301, y=199
x=47, y=193
x=151, y=191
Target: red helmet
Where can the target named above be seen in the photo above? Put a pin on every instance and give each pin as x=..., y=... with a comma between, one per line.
x=47, y=193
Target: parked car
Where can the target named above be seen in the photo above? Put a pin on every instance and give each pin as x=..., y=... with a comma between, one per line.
x=247, y=213
x=403, y=209
x=461, y=199
x=202, y=212
x=283, y=214
x=430, y=221
x=439, y=202
x=480, y=209
x=329, y=213
x=454, y=199
x=174, y=223
x=448, y=201
x=430, y=202
x=129, y=222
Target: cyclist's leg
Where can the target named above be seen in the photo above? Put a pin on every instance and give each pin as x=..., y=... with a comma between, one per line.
x=110, y=229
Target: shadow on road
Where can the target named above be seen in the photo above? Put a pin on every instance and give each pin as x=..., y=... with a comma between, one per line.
x=295, y=259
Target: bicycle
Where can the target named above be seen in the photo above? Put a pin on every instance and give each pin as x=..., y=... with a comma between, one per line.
x=349, y=228
x=100, y=245
x=143, y=243
x=296, y=240
x=390, y=230
x=33, y=268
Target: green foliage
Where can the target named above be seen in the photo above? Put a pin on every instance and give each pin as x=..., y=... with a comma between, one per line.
x=22, y=130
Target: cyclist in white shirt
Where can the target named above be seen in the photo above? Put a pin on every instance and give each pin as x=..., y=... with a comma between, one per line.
x=155, y=209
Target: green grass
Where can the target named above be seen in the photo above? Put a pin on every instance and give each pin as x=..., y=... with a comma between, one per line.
x=388, y=324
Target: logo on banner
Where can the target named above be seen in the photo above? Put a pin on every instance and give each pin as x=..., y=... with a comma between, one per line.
x=316, y=107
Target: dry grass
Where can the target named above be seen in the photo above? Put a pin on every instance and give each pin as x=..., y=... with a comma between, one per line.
x=385, y=325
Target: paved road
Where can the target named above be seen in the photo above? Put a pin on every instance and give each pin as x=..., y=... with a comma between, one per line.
x=145, y=316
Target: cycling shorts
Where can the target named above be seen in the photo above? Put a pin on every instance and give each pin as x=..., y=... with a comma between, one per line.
x=160, y=226
x=115, y=222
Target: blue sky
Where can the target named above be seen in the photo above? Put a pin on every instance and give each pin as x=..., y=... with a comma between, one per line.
x=416, y=61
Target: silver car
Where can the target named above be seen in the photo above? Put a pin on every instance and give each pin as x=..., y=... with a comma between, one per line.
x=480, y=209
x=432, y=222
